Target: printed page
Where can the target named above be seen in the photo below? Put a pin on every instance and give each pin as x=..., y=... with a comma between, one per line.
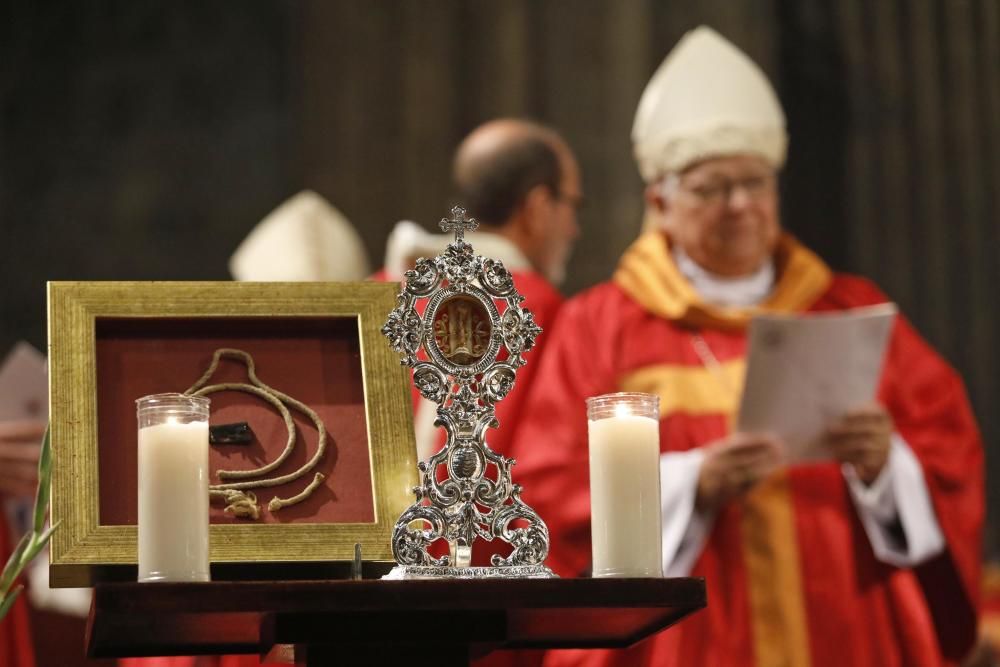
x=804, y=372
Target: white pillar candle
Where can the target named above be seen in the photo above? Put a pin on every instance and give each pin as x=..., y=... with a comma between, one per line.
x=625, y=487
x=173, y=499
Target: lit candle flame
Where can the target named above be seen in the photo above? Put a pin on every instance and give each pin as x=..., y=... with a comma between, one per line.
x=622, y=410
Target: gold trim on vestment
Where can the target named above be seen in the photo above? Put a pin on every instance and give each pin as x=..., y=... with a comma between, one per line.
x=648, y=274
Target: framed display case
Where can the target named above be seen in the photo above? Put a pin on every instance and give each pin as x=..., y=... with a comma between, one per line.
x=316, y=344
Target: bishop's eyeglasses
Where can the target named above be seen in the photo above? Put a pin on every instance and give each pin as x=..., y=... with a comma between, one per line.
x=717, y=191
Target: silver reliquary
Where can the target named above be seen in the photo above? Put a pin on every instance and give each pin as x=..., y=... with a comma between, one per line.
x=460, y=326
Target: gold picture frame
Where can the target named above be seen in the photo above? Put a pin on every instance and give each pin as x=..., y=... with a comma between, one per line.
x=85, y=549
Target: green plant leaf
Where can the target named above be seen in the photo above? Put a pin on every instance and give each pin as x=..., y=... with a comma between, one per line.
x=37, y=544
x=7, y=601
x=31, y=544
x=13, y=566
x=44, y=481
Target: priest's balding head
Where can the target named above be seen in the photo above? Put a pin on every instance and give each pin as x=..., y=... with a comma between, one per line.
x=520, y=179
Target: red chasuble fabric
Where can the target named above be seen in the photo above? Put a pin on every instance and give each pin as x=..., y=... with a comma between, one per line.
x=199, y=661
x=791, y=576
x=542, y=299
x=15, y=635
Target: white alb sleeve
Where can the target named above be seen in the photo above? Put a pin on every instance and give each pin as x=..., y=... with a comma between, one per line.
x=68, y=601
x=897, y=499
x=684, y=528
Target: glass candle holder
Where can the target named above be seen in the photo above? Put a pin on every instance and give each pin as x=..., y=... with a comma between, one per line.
x=624, y=434
x=173, y=488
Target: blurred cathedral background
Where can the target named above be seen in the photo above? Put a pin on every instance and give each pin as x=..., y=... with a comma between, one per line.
x=143, y=140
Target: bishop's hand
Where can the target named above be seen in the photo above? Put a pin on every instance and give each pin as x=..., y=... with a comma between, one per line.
x=862, y=438
x=733, y=465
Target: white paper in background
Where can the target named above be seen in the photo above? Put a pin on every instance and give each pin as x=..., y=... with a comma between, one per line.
x=24, y=395
x=24, y=384
x=805, y=371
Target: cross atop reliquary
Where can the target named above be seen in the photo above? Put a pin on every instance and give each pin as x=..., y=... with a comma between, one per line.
x=459, y=309
x=459, y=223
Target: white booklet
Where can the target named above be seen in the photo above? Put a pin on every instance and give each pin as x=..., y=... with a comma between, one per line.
x=806, y=371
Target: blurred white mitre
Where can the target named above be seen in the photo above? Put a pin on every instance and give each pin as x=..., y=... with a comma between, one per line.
x=304, y=239
x=707, y=99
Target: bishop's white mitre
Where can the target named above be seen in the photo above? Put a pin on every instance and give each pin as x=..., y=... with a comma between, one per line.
x=304, y=239
x=707, y=99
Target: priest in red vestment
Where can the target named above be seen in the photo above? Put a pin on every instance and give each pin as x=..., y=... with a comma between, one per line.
x=870, y=557
x=521, y=183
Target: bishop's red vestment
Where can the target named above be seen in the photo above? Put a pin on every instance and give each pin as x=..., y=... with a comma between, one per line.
x=790, y=573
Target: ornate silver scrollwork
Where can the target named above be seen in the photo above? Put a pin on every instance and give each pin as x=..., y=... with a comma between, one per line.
x=465, y=492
